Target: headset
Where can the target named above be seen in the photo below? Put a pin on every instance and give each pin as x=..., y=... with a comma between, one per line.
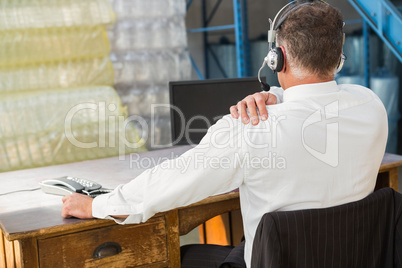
x=275, y=58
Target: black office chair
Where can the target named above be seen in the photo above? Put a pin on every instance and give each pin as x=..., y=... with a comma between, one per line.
x=366, y=233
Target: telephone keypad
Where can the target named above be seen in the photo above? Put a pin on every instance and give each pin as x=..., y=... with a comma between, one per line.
x=89, y=185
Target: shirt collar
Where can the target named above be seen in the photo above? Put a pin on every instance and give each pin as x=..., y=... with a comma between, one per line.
x=309, y=90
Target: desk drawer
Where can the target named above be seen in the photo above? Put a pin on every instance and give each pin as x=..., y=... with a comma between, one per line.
x=140, y=244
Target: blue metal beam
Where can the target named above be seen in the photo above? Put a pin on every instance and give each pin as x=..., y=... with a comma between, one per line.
x=196, y=68
x=239, y=38
x=213, y=28
x=241, y=35
x=366, y=53
x=385, y=19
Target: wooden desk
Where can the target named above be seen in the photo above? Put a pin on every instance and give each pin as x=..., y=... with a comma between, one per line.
x=35, y=235
x=41, y=238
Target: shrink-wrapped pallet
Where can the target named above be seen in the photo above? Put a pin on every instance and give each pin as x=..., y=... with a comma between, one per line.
x=55, y=75
x=48, y=127
x=56, y=100
x=149, y=49
x=27, y=14
x=31, y=46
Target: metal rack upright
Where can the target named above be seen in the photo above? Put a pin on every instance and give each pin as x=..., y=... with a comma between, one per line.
x=241, y=36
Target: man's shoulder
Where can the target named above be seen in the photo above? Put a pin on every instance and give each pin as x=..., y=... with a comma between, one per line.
x=357, y=93
x=356, y=90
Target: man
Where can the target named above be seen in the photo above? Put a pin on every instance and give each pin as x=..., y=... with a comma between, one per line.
x=320, y=146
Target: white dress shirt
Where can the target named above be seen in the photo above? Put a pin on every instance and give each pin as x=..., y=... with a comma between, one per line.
x=322, y=146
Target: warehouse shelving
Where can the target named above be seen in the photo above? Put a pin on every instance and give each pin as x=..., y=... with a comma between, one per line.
x=241, y=36
x=384, y=17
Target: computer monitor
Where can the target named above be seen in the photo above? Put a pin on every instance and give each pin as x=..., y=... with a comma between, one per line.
x=197, y=105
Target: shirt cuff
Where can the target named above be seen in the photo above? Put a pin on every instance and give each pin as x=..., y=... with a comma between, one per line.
x=102, y=210
x=98, y=205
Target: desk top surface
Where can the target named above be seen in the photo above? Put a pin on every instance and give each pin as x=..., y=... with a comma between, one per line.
x=109, y=172
x=25, y=211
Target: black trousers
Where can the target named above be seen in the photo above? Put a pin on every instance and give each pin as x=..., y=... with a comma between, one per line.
x=212, y=256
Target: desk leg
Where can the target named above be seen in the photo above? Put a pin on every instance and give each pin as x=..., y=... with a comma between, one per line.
x=393, y=178
x=173, y=239
x=388, y=178
x=9, y=253
x=27, y=252
x=2, y=251
x=18, y=254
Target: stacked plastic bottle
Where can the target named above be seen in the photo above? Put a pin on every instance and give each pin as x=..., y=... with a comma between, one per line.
x=56, y=100
x=149, y=49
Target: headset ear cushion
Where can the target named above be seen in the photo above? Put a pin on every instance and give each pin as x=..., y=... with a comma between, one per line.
x=280, y=59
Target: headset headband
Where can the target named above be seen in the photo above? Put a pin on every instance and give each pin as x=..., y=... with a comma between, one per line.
x=291, y=10
x=273, y=28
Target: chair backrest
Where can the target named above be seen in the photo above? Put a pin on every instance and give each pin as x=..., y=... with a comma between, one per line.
x=365, y=233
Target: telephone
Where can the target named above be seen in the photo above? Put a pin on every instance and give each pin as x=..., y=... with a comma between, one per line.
x=68, y=185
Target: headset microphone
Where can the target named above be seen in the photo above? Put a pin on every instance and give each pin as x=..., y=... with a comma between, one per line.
x=264, y=86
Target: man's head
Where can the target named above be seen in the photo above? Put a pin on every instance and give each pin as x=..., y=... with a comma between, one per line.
x=312, y=37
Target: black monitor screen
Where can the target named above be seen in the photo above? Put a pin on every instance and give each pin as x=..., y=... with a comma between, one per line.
x=197, y=105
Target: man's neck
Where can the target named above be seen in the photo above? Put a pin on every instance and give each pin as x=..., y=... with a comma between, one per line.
x=292, y=81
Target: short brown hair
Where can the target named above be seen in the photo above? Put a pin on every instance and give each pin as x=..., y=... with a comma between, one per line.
x=313, y=36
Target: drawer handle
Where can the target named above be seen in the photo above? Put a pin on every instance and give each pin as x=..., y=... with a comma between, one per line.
x=106, y=250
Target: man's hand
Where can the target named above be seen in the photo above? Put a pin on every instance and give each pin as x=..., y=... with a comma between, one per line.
x=253, y=102
x=77, y=205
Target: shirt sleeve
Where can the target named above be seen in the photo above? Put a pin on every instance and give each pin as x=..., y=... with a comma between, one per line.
x=208, y=169
x=278, y=92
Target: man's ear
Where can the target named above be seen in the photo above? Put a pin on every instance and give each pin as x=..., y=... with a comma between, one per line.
x=284, y=58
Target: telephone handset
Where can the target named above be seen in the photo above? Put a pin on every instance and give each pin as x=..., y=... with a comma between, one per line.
x=68, y=185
